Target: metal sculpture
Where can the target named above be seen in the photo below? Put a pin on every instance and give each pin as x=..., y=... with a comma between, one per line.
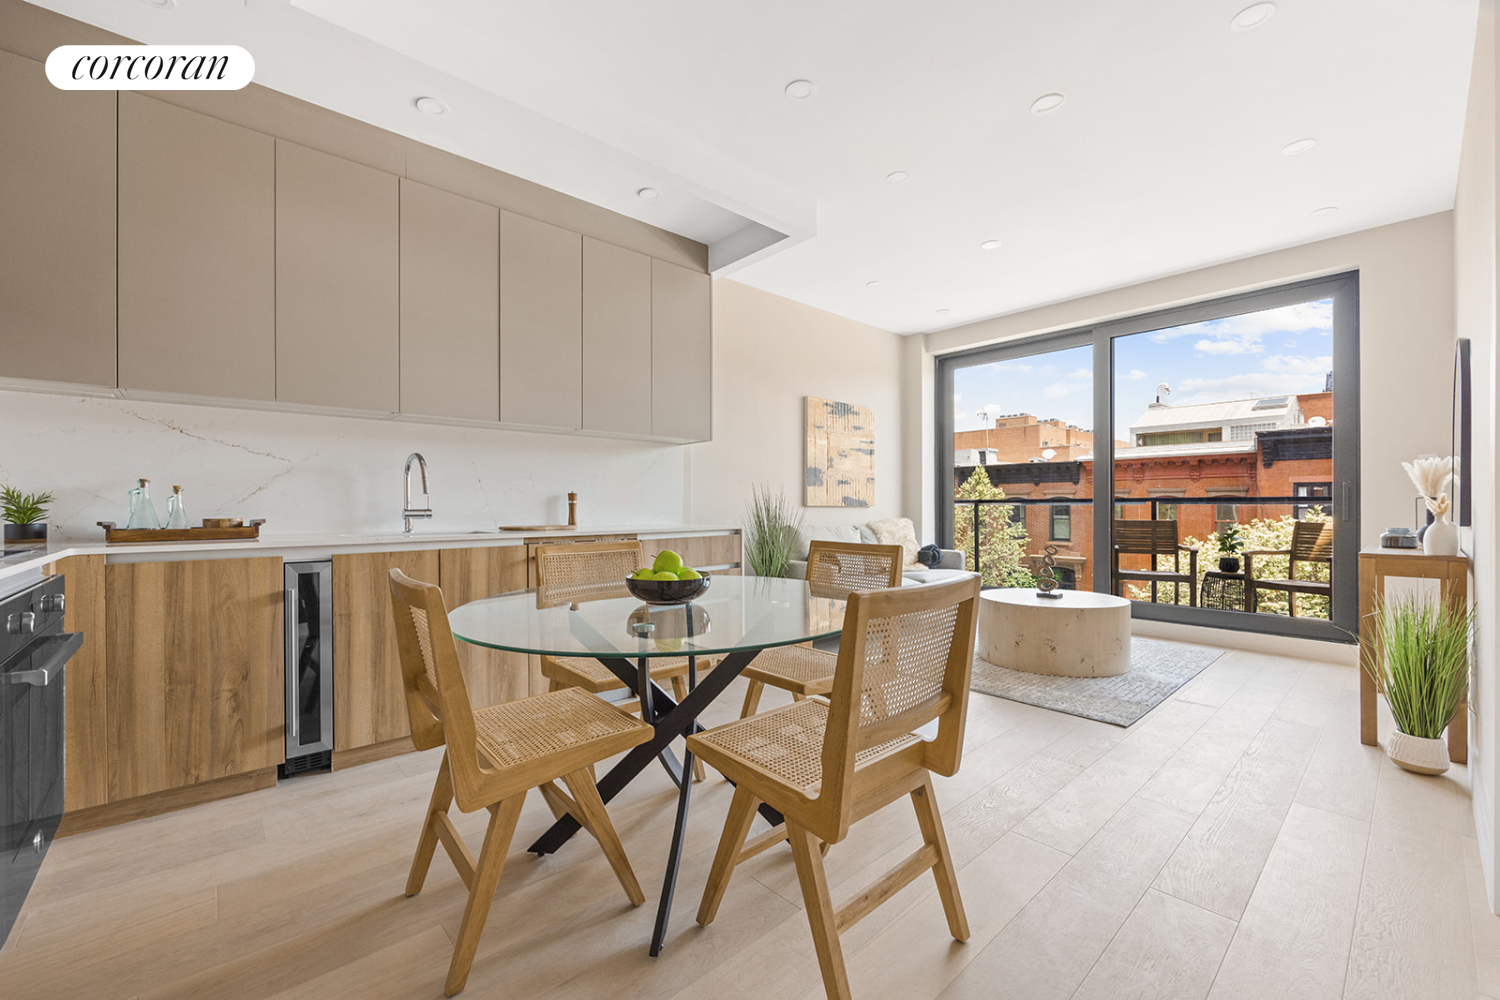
x=1046, y=583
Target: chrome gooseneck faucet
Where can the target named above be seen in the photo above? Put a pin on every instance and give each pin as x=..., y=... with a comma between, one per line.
x=408, y=512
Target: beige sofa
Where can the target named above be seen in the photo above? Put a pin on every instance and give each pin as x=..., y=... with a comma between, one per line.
x=951, y=565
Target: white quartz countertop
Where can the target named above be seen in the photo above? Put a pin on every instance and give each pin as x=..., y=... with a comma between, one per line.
x=322, y=545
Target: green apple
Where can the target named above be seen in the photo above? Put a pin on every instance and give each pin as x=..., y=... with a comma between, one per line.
x=688, y=573
x=643, y=574
x=664, y=576
x=667, y=561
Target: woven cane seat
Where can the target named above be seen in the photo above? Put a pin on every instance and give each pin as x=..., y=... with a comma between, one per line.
x=534, y=728
x=787, y=742
x=589, y=674
x=799, y=669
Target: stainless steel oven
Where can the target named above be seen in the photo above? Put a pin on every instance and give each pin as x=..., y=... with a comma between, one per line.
x=309, y=667
x=34, y=650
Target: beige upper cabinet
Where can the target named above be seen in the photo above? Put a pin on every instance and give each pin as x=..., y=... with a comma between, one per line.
x=681, y=353
x=450, y=305
x=197, y=261
x=541, y=324
x=57, y=217
x=616, y=339
x=338, y=335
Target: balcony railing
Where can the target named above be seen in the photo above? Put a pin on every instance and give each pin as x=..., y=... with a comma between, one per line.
x=1006, y=539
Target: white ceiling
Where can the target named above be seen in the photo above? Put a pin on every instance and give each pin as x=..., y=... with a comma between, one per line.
x=1165, y=156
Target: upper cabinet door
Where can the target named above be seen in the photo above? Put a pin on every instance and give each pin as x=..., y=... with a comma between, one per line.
x=681, y=353
x=541, y=324
x=57, y=214
x=616, y=339
x=450, y=305
x=197, y=262
x=338, y=337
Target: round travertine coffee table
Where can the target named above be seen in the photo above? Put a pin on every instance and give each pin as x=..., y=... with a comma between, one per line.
x=1081, y=634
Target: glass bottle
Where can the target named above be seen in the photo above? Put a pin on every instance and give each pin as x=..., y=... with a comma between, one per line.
x=142, y=510
x=176, y=513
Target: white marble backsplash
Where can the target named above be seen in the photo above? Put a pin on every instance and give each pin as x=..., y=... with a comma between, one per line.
x=307, y=473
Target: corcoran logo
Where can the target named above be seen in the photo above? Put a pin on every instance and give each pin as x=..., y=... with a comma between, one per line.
x=150, y=67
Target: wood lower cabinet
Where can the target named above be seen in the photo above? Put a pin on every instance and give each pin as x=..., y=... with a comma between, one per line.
x=195, y=671
x=86, y=695
x=369, y=702
x=699, y=550
x=491, y=675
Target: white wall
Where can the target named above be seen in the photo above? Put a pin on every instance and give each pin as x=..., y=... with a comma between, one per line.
x=1406, y=341
x=770, y=353
x=320, y=473
x=1475, y=287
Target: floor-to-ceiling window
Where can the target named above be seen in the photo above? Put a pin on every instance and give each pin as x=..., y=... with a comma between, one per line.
x=1233, y=421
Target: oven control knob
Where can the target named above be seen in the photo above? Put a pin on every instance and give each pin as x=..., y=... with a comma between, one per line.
x=21, y=624
x=53, y=602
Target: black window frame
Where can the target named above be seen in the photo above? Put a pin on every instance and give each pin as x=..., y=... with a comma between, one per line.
x=1343, y=290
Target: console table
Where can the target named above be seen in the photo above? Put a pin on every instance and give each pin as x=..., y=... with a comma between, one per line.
x=1375, y=565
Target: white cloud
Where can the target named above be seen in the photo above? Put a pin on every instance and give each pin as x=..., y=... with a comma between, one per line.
x=1081, y=374
x=1246, y=385
x=1294, y=364
x=1057, y=390
x=1227, y=347
x=1135, y=375
x=1243, y=334
x=1008, y=366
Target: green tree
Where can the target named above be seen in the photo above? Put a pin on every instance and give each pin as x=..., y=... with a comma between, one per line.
x=1001, y=558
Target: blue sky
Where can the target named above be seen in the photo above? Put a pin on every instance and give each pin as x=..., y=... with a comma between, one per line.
x=1268, y=353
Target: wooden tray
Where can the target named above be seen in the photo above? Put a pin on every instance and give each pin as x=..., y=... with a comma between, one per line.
x=247, y=533
x=538, y=527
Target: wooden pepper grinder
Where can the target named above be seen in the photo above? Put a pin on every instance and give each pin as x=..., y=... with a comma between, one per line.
x=572, y=510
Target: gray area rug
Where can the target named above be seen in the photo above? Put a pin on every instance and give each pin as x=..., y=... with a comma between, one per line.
x=1157, y=668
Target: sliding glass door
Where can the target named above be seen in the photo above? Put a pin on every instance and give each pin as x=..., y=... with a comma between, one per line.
x=1225, y=436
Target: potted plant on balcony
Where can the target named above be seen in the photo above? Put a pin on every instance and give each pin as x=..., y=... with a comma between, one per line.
x=25, y=514
x=1420, y=659
x=1231, y=542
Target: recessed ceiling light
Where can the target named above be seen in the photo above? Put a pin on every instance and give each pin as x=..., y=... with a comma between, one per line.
x=990, y=245
x=1325, y=210
x=872, y=284
x=1252, y=16
x=648, y=194
x=897, y=177
x=431, y=106
x=1300, y=146
x=944, y=312
x=163, y=4
x=1046, y=103
x=800, y=90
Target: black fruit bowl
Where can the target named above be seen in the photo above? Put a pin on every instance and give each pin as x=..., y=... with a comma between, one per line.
x=667, y=591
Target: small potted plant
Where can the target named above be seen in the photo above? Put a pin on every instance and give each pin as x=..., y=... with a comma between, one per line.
x=1231, y=542
x=25, y=514
x=1420, y=659
x=772, y=532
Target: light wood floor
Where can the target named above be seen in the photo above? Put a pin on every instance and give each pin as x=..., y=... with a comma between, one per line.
x=1237, y=842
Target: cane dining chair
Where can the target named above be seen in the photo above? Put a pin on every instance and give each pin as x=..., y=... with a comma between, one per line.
x=591, y=571
x=494, y=756
x=834, y=569
x=904, y=660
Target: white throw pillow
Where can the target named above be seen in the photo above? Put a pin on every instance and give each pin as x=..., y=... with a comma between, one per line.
x=897, y=531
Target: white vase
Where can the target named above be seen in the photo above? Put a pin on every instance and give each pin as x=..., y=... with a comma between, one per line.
x=1441, y=538
x=1418, y=754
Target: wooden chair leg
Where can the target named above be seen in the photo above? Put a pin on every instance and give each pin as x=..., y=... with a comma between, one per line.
x=752, y=699
x=503, y=817
x=680, y=691
x=596, y=820
x=736, y=829
x=820, y=915
x=442, y=798
x=944, y=872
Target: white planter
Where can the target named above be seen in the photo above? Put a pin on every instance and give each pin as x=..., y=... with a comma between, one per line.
x=1441, y=538
x=1417, y=754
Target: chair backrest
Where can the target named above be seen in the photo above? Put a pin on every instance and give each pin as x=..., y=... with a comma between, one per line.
x=437, y=701
x=1312, y=541
x=585, y=571
x=1156, y=537
x=835, y=569
x=905, y=658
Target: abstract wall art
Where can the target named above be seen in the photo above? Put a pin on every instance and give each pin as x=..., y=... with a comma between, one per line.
x=840, y=468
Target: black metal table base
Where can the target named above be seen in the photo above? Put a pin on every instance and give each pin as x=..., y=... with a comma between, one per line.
x=670, y=720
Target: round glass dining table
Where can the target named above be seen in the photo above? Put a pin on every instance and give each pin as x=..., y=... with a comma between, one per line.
x=735, y=618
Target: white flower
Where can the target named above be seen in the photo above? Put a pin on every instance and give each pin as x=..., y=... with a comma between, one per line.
x=1429, y=475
